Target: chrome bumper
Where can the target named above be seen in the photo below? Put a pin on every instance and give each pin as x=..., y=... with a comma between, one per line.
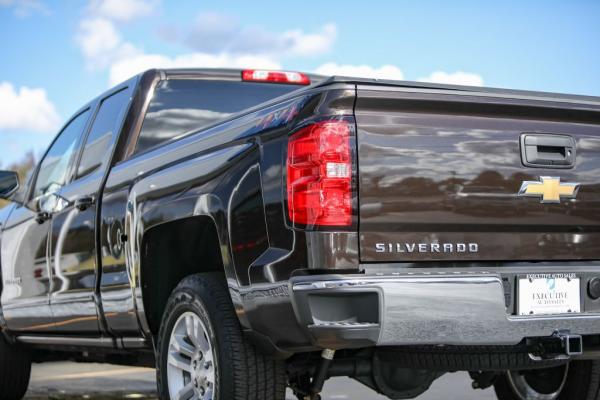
x=354, y=311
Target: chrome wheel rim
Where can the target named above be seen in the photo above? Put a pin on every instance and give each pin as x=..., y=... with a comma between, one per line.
x=521, y=383
x=191, y=362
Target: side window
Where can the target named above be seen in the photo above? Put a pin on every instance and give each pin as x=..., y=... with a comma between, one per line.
x=54, y=169
x=181, y=106
x=103, y=134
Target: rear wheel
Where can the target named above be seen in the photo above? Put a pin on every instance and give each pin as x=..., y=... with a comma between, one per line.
x=202, y=353
x=15, y=370
x=577, y=380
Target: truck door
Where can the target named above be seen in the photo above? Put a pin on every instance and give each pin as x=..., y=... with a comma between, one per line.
x=26, y=274
x=73, y=253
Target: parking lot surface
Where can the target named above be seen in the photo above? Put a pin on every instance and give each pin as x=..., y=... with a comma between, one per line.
x=66, y=380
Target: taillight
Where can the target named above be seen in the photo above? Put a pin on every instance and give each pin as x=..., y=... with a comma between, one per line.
x=260, y=75
x=319, y=174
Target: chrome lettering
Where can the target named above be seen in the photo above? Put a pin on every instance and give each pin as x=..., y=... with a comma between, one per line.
x=426, y=247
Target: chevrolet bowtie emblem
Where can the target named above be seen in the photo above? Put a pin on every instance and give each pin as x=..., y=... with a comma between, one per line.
x=550, y=189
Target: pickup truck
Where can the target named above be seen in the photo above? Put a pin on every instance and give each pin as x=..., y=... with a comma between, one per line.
x=252, y=232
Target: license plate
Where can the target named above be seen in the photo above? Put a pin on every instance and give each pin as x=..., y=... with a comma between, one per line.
x=542, y=294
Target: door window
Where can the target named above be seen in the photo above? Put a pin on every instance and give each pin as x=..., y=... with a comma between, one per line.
x=54, y=169
x=101, y=139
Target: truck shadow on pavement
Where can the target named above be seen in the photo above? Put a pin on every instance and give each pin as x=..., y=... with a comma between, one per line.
x=69, y=381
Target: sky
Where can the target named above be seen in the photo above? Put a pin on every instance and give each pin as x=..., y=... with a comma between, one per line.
x=57, y=55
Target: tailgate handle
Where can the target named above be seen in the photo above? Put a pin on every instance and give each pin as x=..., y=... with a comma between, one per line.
x=547, y=150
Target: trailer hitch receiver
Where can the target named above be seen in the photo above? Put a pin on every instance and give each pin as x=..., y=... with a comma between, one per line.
x=560, y=345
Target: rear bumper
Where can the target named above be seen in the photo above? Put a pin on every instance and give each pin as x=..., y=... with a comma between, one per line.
x=357, y=311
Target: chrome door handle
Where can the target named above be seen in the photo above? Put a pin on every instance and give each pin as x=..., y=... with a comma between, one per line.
x=42, y=217
x=84, y=202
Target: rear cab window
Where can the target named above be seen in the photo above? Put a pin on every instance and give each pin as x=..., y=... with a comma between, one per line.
x=183, y=106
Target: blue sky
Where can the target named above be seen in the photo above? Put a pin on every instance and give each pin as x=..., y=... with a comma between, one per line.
x=56, y=55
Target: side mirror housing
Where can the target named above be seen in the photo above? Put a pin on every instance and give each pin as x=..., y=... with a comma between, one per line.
x=9, y=183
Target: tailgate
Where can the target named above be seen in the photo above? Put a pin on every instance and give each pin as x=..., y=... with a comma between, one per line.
x=442, y=176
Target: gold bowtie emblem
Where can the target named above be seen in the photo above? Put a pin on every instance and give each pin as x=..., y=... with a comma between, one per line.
x=550, y=189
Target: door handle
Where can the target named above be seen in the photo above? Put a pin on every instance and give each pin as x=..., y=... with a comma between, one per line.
x=547, y=150
x=84, y=202
x=42, y=217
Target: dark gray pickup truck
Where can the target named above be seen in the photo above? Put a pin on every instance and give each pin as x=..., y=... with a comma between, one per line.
x=251, y=231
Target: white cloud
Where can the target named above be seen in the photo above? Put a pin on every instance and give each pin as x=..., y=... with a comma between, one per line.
x=27, y=109
x=214, y=33
x=98, y=35
x=217, y=40
x=101, y=43
x=392, y=72
x=456, y=78
x=122, y=10
x=362, y=71
x=127, y=67
x=25, y=8
x=309, y=44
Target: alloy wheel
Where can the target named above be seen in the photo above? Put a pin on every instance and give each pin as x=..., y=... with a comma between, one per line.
x=191, y=369
x=540, y=384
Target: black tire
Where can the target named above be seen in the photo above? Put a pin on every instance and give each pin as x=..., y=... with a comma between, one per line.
x=242, y=371
x=582, y=383
x=15, y=370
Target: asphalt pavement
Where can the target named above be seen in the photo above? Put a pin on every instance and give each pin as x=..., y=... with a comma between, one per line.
x=67, y=380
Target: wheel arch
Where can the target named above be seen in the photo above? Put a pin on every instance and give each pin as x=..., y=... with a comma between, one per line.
x=170, y=252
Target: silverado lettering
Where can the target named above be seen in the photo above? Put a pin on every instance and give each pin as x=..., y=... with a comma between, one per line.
x=427, y=247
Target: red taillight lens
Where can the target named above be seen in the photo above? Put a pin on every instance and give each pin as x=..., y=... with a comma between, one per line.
x=319, y=174
x=260, y=75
